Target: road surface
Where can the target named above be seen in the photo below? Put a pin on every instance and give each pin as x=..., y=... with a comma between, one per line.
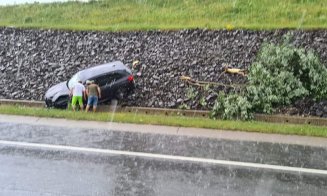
x=61, y=157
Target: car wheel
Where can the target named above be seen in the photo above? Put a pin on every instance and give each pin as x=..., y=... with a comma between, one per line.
x=114, y=102
x=120, y=94
x=62, y=102
x=48, y=103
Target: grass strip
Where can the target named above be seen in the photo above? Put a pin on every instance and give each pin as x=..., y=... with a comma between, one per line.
x=180, y=121
x=125, y=15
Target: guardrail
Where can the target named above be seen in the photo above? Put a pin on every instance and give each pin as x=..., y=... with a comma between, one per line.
x=179, y=112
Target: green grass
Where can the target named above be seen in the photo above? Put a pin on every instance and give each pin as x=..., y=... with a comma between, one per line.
x=123, y=15
x=251, y=126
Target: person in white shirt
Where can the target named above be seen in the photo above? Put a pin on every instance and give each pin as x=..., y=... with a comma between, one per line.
x=78, y=92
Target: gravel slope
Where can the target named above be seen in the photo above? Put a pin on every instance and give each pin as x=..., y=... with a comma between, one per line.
x=33, y=60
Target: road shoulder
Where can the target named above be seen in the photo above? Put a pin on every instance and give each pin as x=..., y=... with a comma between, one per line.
x=169, y=130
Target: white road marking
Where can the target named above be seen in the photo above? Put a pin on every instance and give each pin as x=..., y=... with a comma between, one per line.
x=160, y=156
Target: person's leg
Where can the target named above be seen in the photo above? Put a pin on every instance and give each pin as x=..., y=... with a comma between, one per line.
x=89, y=102
x=74, y=100
x=95, y=103
x=80, y=101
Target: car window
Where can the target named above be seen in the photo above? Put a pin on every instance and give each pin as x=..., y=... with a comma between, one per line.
x=108, y=79
x=115, y=77
x=73, y=80
x=102, y=80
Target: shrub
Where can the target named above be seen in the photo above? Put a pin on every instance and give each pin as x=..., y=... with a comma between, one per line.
x=280, y=75
x=232, y=106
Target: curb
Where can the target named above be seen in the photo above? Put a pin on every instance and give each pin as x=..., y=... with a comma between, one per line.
x=26, y=103
x=178, y=112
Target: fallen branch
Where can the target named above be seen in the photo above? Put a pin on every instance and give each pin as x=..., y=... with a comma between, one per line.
x=191, y=81
x=241, y=72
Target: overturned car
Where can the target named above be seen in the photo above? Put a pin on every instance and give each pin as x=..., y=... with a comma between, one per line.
x=115, y=80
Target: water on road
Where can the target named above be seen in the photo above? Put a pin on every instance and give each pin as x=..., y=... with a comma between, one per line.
x=48, y=160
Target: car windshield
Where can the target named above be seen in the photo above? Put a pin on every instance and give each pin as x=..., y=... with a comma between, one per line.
x=73, y=80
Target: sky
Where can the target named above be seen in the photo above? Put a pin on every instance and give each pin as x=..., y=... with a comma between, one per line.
x=13, y=2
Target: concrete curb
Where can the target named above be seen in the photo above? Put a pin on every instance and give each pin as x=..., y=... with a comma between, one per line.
x=22, y=103
x=191, y=113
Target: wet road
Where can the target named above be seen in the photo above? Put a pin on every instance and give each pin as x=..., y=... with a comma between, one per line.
x=52, y=160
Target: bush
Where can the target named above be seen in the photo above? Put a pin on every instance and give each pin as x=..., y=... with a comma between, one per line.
x=232, y=106
x=280, y=75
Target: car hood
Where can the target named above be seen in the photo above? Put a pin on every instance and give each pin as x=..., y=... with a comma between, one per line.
x=57, y=90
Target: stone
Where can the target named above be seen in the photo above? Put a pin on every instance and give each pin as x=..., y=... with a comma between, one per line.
x=319, y=113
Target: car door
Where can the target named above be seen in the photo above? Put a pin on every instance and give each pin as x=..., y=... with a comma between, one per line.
x=107, y=83
x=102, y=81
x=119, y=81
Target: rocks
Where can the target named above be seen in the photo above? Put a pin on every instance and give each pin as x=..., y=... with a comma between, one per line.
x=179, y=101
x=33, y=60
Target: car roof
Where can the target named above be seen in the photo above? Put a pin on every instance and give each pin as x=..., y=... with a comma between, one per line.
x=103, y=69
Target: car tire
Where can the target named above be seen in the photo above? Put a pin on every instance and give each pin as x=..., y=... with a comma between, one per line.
x=114, y=102
x=62, y=102
x=120, y=94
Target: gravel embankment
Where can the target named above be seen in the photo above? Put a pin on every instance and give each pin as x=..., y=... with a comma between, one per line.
x=33, y=60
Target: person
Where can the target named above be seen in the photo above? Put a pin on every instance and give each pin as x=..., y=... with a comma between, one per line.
x=78, y=92
x=137, y=68
x=93, y=92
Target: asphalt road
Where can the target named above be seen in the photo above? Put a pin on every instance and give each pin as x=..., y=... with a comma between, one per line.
x=43, y=159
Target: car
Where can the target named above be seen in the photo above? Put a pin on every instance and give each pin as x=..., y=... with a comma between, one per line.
x=115, y=80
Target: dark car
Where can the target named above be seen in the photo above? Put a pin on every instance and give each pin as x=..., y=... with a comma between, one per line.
x=115, y=80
